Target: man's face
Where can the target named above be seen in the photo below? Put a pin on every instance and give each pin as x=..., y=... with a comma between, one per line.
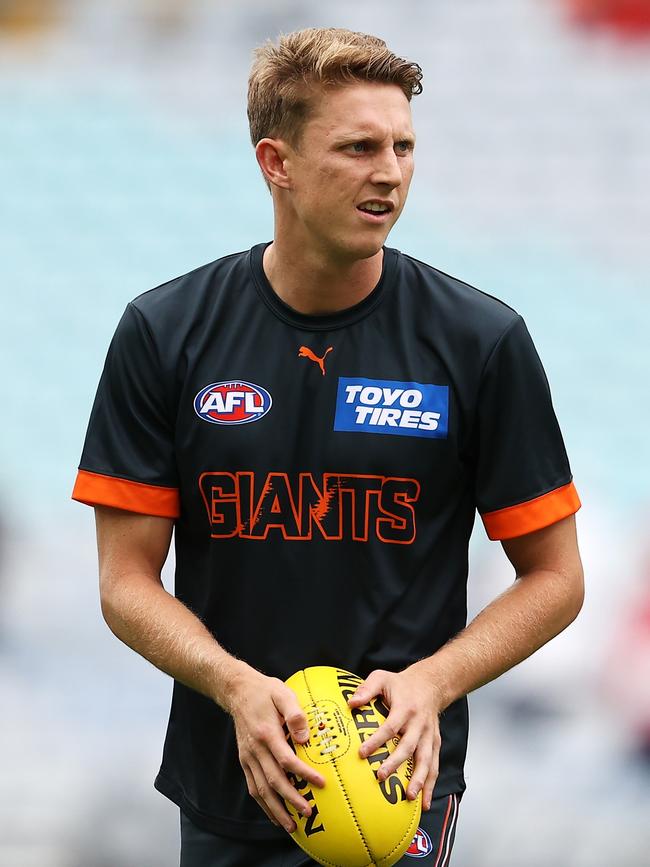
x=355, y=154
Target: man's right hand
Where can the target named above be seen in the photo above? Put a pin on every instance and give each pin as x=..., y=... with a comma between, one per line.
x=259, y=706
x=142, y=614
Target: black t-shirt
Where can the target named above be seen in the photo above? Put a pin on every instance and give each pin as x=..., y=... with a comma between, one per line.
x=323, y=473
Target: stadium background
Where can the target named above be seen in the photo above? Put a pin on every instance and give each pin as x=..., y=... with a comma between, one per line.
x=124, y=161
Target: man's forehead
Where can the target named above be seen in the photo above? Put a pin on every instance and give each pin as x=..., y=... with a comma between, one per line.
x=356, y=130
x=366, y=111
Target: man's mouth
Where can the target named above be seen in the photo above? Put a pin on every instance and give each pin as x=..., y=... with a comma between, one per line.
x=374, y=206
x=375, y=210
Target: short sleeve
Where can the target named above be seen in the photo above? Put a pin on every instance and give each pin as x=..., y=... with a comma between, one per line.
x=128, y=456
x=523, y=478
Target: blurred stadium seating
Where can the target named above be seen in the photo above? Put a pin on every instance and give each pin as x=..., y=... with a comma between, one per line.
x=124, y=161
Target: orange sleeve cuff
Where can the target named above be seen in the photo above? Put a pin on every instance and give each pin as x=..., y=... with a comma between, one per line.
x=533, y=514
x=94, y=489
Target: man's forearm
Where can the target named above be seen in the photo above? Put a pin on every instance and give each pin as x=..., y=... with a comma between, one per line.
x=513, y=626
x=142, y=614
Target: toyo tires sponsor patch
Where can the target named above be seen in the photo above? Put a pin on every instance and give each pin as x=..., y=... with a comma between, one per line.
x=381, y=406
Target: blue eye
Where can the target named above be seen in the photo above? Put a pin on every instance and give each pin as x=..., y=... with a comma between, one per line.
x=359, y=147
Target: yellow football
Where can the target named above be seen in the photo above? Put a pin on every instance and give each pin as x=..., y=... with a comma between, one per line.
x=356, y=820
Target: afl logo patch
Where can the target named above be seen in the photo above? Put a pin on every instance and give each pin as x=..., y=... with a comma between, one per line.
x=421, y=845
x=232, y=402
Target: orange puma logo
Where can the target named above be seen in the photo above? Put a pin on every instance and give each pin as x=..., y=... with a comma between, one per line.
x=305, y=352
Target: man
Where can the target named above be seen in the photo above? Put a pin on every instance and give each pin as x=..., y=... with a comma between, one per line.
x=318, y=420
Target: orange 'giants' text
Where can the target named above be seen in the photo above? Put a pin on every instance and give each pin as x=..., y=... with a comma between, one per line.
x=332, y=507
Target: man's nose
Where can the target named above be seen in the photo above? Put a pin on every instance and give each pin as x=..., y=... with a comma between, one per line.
x=386, y=168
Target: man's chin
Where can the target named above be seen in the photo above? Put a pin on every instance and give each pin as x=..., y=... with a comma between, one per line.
x=363, y=248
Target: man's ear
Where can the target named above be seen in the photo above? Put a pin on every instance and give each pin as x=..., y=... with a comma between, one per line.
x=272, y=155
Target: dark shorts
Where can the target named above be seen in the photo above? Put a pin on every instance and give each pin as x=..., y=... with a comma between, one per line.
x=431, y=846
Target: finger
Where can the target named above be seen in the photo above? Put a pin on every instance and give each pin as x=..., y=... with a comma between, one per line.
x=268, y=799
x=373, y=685
x=427, y=791
x=403, y=751
x=277, y=779
x=302, y=769
x=423, y=759
x=388, y=730
x=289, y=761
x=288, y=706
x=252, y=791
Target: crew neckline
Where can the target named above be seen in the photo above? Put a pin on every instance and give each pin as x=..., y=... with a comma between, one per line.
x=327, y=321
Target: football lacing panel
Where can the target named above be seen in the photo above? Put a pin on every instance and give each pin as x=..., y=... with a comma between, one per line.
x=321, y=729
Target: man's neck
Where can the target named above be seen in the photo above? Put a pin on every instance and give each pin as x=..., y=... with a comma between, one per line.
x=313, y=284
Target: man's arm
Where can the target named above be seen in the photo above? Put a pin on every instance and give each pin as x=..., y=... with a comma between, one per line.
x=141, y=613
x=544, y=599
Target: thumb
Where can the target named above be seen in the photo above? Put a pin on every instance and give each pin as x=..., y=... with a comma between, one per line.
x=295, y=717
x=362, y=695
x=373, y=685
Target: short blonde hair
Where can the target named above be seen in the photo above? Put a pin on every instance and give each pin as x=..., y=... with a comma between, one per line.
x=285, y=74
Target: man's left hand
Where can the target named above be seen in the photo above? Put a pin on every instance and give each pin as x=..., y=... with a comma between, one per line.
x=415, y=705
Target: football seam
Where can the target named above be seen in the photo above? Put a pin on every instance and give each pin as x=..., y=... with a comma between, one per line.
x=317, y=856
x=345, y=794
x=411, y=831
